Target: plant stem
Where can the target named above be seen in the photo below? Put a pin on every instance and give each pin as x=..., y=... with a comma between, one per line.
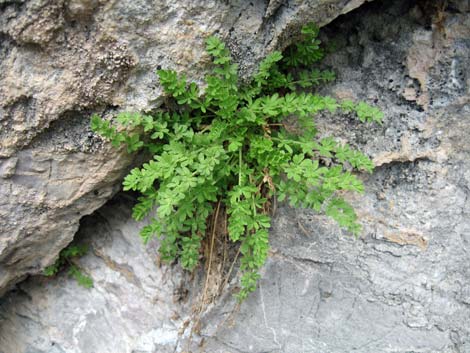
x=240, y=161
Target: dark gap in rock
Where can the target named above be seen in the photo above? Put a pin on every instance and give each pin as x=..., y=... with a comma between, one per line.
x=70, y=132
x=17, y=5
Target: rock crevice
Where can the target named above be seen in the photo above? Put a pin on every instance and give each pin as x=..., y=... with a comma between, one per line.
x=402, y=286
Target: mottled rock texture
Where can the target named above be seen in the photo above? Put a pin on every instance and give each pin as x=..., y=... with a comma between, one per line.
x=63, y=60
x=403, y=286
x=135, y=305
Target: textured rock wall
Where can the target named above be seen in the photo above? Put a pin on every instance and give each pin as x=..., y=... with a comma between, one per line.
x=403, y=286
x=135, y=305
x=61, y=60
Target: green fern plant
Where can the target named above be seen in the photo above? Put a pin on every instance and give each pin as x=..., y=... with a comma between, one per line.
x=232, y=145
x=65, y=260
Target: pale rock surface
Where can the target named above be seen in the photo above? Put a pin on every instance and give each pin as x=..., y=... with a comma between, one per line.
x=63, y=60
x=403, y=286
x=135, y=304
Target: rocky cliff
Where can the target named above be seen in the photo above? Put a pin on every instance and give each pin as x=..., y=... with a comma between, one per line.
x=403, y=286
x=62, y=60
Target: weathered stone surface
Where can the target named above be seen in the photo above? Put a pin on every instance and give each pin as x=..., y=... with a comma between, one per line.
x=403, y=286
x=134, y=306
x=62, y=60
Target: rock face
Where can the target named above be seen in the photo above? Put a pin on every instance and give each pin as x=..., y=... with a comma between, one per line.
x=135, y=305
x=403, y=286
x=63, y=60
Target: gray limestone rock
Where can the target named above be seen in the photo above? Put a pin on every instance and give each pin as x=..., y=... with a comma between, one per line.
x=402, y=286
x=63, y=60
x=134, y=305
